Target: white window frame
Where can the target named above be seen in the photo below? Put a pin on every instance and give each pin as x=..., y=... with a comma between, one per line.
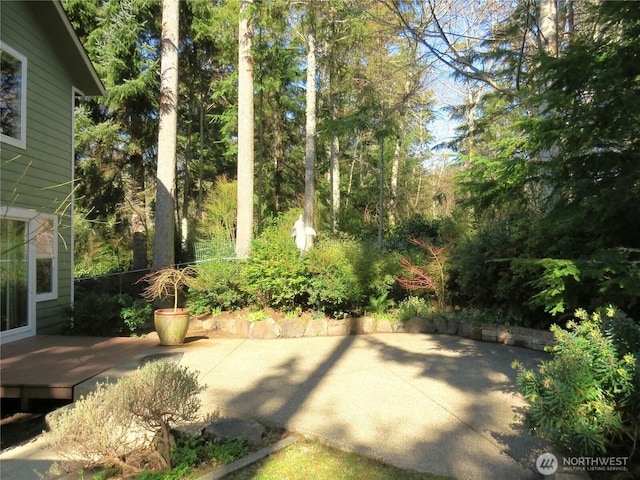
x=34, y=221
x=22, y=141
x=35, y=229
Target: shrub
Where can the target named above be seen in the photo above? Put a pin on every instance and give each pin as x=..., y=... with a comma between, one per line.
x=416, y=226
x=216, y=286
x=102, y=314
x=379, y=305
x=587, y=397
x=478, y=281
x=540, y=269
x=551, y=278
x=102, y=262
x=276, y=273
x=333, y=285
x=219, y=212
x=334, y=277
x=376, y=270
x=413, y=307
x=160, y=395
x=127, y=424
x=195, y=451
x=136, y=315
x=96, y=431
x=430, y=276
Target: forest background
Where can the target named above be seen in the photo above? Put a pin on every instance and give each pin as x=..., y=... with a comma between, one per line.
x=529, y=213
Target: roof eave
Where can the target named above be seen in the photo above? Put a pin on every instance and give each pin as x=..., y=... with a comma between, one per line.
x=91, y=85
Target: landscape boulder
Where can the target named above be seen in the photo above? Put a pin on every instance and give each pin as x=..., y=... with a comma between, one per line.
x=229, y=429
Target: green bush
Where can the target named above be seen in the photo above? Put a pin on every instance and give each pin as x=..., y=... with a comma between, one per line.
x=276, y=273
x=417, y=226
x=551, y=278
x=541, y=270
x=96, y=248
x=587, y=397
x=335, y=277
x=378, y=306
x=219, y=207
x=376, y=270
x=216, y=287
x=478, y=279
x=137, y=315
x=100, y=314
x=413, y=307
x=333, y=284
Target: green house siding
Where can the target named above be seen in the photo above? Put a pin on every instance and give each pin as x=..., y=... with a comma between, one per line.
x=39, y=177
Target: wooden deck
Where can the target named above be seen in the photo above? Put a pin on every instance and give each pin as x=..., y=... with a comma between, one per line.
x=50, y=366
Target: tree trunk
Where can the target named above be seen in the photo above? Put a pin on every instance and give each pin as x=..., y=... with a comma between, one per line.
x=244, y=226
x=334, y=164
x=395, y=167
x=356, y=148
x=334, y=176
x=139, y=214
x=553, y=17
x=381, y=193
x=186, y=191
x=200, y=197
x=334, y=144
x=163, y=248
x=310, y=144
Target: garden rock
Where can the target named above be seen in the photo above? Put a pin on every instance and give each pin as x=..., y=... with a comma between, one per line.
x=337, y=328
x=266, y=329
x=234, y=428
x=316, y=327
x=292, y=328
x=416, y=325
x=240, y=327
x=468, y=330
x=384, y=326
x=366, y=325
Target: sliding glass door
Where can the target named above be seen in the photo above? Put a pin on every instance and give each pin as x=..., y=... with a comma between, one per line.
x=14, y=274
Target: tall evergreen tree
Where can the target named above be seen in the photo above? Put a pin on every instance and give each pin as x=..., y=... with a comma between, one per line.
x=164, y=247
x=244, y=226
x=592, y=120
x=117, y=134
x=310, y=129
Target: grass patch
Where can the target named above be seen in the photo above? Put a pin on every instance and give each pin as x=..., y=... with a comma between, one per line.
x=307, y=459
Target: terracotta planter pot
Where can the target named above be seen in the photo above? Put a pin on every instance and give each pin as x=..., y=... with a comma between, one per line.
x=171, y=325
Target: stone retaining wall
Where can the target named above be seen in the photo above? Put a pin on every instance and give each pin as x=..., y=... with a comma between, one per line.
x=296, y=328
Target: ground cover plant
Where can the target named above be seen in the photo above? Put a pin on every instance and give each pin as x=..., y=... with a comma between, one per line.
x=193, y=455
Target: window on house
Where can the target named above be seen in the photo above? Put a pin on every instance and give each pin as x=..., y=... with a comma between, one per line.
x=45, y=240
x=13, y=81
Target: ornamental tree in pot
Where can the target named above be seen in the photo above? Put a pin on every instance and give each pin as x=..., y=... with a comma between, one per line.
x=170, y=323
